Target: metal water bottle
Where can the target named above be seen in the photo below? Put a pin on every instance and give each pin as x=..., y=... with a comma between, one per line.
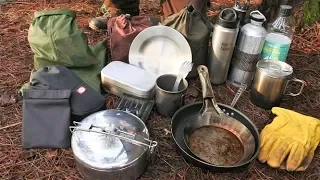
x=241, y=8
x=248, y=49
x=224, y=38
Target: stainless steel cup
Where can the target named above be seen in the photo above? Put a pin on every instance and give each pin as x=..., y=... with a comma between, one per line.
x=270, y=83
x=167, y=101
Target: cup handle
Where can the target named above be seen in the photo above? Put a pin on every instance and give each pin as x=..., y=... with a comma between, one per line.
x=301, y=88
x=182, y=100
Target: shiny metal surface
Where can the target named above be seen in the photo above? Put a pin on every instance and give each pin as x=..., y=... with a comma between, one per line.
x=242, y=88
x=223, y=43
x=117, y=133
x=160, y=50
x=167, y=101
x=270, y=83
x=179, y=120
x=247, y=51
x=239, y=137
x=121, y=78
x=131, y=172
x=239, y=6
x=137, y=106
x=107, y=152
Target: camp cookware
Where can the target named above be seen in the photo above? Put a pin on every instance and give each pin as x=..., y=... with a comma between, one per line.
x=211, y=126
x=135, y=105
x=223, y=40
x=247, y=51
x=242, y=88
x=121, y=78
x=167, y=101
x=184, y=69
x=270, y=83
x=240, y=130
x=159, y=50
x=111, y=144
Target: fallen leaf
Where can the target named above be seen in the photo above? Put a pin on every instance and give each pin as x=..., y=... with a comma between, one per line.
x=52, y=154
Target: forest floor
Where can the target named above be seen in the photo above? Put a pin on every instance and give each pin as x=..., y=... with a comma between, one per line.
x=16, y=60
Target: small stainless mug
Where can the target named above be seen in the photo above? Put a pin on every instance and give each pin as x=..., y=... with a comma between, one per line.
x=167, y=101
x=270, y=83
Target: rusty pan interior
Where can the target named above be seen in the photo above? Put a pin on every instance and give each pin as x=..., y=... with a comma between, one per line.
x=179, y=121
x=214, y=135
x=221, y=143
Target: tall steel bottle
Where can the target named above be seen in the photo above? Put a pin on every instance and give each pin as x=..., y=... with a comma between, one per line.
x=248, y=50
x=241, y=7
x=224, y=38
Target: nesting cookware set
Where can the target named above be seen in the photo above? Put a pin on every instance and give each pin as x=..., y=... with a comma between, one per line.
x=115, y=143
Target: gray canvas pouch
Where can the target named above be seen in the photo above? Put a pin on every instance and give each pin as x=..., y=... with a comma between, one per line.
x=46, y=119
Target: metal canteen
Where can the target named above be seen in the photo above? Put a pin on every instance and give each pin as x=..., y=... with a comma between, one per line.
x=111, y=144
x=247, y=51
x=270, y=83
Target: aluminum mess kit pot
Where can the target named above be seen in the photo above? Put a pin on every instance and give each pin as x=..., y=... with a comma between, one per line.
x=111, y=144
x=121, y=78
x=270, y=83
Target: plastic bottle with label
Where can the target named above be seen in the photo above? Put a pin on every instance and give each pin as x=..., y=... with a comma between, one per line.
x=279, y=35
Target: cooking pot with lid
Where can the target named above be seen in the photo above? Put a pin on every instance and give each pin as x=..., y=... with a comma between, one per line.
x=111, y=144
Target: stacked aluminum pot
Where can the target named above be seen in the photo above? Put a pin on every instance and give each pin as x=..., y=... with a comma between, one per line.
x=111, y=144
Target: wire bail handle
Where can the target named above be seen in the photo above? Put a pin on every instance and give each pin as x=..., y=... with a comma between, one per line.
x=132, y=138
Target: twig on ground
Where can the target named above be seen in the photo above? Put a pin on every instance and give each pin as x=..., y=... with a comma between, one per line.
x=11, y=125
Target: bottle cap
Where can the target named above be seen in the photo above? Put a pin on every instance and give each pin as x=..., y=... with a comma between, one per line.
x=228, y=18
x=285, y=10
x=257, y=16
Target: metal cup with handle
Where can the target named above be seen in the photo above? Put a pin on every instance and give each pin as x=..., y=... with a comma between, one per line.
x=167, y=101
x=270, y=83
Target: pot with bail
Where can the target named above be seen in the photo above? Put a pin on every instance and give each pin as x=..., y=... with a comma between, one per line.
x=111, y=144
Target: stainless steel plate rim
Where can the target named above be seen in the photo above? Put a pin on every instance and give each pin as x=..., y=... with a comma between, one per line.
x=142, y=41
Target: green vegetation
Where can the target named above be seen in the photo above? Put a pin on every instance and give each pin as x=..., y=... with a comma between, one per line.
x=311, y=12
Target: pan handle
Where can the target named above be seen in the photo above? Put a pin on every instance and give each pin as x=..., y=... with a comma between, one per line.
x=207, y=92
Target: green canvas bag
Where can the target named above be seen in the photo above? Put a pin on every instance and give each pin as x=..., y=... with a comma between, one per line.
x=56, y=39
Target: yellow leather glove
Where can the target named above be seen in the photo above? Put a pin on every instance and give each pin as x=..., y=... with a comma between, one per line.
x=290, y=140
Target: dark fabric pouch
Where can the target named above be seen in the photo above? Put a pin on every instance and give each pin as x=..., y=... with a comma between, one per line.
x=46, y=119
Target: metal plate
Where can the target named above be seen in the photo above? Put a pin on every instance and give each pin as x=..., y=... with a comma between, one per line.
x=160, y=50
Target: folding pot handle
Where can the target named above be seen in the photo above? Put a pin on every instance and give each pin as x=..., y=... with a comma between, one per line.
x=128, y=137
x=301, y=88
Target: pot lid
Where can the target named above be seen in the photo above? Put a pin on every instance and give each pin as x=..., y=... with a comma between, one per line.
x=110, y=139
x=275, y=68
x=133, y=79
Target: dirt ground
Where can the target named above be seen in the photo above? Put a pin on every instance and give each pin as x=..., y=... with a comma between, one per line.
x=16, y=63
